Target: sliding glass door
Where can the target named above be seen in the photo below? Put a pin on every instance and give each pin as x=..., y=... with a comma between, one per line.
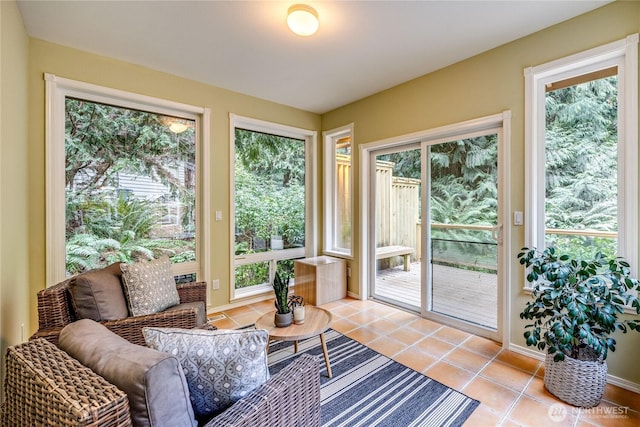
x=436, y=210
x=398, y=199
x=463, y=232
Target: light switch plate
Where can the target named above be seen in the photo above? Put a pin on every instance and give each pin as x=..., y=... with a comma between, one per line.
x=518, y=218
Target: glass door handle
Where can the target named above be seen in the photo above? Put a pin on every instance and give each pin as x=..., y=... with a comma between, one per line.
x=496, y=233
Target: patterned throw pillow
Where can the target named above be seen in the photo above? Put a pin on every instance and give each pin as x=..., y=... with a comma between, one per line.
x=221, y=366
x=149, y=286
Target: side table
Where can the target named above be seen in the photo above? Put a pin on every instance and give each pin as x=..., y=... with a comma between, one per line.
x=320, y=280
x=316, y=321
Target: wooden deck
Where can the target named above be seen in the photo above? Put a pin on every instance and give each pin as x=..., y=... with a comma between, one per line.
x=463, y=294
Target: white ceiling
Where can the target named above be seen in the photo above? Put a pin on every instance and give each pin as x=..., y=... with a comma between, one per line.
x=362, y=47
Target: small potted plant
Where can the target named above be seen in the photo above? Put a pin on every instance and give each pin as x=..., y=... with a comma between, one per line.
x=284, y=314
x=575, y=310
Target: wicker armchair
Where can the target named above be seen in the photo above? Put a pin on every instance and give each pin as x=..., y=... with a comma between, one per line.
x=46, y=386
x=55, y=311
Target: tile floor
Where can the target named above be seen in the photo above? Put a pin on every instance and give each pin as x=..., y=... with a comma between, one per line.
x=508, y=385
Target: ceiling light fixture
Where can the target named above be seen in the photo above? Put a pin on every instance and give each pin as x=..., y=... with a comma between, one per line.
x=302, y=19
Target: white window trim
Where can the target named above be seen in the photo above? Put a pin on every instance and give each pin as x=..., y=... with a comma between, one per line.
x=309, y=250
x=330, y=190
x=623, y=53
x=57, y=89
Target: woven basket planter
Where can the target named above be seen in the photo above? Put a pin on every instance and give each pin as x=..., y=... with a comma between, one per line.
x=577, y=382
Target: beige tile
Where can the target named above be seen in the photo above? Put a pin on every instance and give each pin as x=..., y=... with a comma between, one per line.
x=387, y=346
x=333, y=305
x=233, y=312
x=344, y=325
x=585, y=423
x=435, y=347
x=225, y=323
x=622, y=397
x=506, y=375
x=360, y=304
x=402, y=317
x=381, y=310
x=465, y=359
x=530, y=412
x=425, y=326
x=406, y=335
x=608, y=414
x=525, y=363
x=343, y=311
x=363, y=335
x=263, y=307
x=247, y=319
x=449, y=375
x=383, y=326
x=414, y=359
x=483, y=416
x=482, y=346
x=363, y=317
x=451, y=335
x=538, y=391
x=495, y=396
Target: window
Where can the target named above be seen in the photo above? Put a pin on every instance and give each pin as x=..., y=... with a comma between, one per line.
x=123, y=182
x=338, y=191
x=272, y=202
x=581, y=137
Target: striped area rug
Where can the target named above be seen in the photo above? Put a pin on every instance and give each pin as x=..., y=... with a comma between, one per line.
x=369, y=389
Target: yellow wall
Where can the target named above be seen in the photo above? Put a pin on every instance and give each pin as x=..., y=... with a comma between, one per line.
x=480, y=86
x=45, y=57
x=14, y=179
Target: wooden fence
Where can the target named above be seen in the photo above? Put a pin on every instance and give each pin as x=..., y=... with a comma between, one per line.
x=397, y=207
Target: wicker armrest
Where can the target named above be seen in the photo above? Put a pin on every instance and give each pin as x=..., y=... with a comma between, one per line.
x=289, y=398
x=54, y=306
x=130, y=328
x=193, y=292
x=46, y=386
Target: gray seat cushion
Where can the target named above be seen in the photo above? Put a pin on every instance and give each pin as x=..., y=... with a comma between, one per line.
x=98, y=294
x=154, y=381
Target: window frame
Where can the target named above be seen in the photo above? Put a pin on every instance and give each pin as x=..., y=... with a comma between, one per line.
x=623, y=54
x=57, y=90
x=330, y=184
x=309, y=250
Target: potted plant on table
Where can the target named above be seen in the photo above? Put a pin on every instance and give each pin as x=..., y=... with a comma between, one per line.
x=284, y=314
x=575, y=310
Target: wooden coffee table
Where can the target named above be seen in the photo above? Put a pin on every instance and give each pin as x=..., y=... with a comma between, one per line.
x=316, y=321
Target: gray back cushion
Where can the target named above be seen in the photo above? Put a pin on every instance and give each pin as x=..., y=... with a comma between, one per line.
x=154, y=381
x=98, y=294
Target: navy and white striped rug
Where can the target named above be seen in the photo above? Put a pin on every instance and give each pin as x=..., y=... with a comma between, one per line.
x=369, y=389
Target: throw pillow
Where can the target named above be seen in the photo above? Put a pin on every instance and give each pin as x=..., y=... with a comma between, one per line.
x=221, y=366
x=149, y=286
x=154, y=381
x=98, y=294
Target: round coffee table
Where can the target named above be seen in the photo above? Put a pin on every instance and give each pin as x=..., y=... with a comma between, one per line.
x=316, y=321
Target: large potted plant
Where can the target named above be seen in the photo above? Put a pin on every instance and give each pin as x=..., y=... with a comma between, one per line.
x=284, y=314
x=575, y=309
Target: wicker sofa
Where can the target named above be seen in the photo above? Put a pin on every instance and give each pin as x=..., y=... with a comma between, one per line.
x=56, y=309
x=46, y=386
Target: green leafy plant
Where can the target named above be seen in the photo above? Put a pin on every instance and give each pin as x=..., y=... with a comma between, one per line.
x=281, y=289
x=576, y=303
